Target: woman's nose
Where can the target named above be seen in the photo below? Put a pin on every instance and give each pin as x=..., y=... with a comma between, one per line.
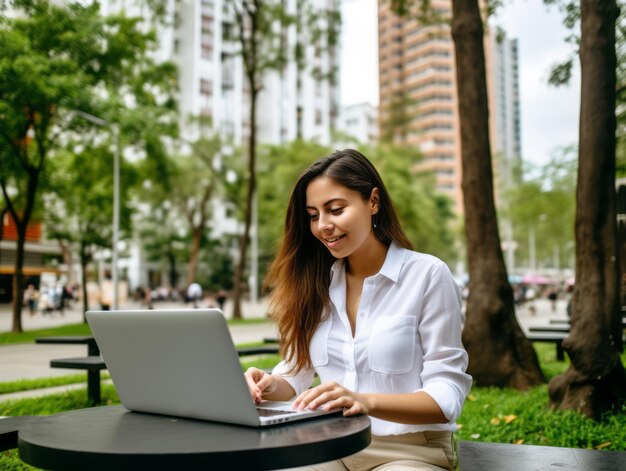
x=324, y=224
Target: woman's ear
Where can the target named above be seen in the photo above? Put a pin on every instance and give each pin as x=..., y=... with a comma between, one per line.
x=374, y=200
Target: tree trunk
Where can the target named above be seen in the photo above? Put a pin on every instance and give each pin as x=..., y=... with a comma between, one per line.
x=173, y=272
x=595, y=381
x=193, y=256
x=66, y=253
x=245, y=237
x=18, y=279
x=84, y=260
x=500, y=354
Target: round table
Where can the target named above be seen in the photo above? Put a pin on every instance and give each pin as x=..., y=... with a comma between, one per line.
x=115, y=438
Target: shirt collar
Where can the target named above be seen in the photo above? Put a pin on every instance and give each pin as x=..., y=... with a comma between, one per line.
x=391, y=268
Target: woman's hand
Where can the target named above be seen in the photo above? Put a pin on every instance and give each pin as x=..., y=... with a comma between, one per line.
x=260, y=383
x=333, y=396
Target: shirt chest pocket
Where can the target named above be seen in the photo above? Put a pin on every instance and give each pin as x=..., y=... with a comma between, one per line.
x=392, y=345
x=318, y=348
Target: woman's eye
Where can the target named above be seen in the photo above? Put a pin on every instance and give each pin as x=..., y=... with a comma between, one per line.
x=336, y=210
x=313, y=216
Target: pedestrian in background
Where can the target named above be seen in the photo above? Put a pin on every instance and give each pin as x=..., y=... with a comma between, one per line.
x=194, y=293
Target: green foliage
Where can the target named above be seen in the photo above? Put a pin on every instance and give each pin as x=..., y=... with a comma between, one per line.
x=397, y=118
x=58, y=58
x=544, y=202
x=426, y=216
x=279, y=168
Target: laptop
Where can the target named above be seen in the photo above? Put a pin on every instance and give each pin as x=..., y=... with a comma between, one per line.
x=182, y=362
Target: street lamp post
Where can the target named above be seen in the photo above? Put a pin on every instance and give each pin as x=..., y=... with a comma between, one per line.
x=115, y=131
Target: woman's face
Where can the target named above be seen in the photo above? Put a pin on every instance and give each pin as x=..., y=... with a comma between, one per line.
x=340, y=218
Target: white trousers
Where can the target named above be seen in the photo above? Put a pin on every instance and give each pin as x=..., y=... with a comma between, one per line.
x=424, y=451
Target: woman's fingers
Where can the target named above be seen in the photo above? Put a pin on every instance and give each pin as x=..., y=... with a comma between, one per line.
x=258, y=381
x=324, y=395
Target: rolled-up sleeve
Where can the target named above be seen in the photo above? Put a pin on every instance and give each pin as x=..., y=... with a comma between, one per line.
x=299, y=381
x=445, y=360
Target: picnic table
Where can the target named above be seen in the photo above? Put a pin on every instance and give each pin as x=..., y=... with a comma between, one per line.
x=557, y=330
x=115, y=438
x=92, y=363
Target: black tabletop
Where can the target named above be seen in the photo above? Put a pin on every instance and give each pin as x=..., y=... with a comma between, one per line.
x=115, y=438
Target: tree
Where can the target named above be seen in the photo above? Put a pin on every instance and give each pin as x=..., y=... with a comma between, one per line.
x=79, y=203
x=595, y=381
x=500, y=354
x=543, y=204
x=259, y=47
x=57, y=59
x=263, y=34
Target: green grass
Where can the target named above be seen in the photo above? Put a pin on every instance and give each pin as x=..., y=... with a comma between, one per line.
x=39, y=383
x=511, y=416
x=8, y=338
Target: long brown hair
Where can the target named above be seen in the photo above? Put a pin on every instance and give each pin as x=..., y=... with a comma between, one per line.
x=299, y=276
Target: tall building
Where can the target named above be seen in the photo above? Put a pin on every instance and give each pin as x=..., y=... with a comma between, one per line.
x=507, y=150
x=295, y=102
x=418, y=93
x=359, y=122
x=506, y=112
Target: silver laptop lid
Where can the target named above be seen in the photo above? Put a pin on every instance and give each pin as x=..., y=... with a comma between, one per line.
x=177, y=362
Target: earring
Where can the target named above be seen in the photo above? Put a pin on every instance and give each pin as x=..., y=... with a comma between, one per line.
x=374, y=220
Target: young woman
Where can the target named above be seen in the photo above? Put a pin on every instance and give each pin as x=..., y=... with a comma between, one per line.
x=379, y=323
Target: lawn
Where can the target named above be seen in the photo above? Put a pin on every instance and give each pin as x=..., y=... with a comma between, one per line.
x=490, y=414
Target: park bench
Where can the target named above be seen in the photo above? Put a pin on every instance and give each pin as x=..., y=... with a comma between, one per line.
x=482, y=456
x=92, y=363
x=556, y=333
x=536, y=334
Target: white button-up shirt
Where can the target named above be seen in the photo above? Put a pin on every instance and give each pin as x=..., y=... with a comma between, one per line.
x=407, y=338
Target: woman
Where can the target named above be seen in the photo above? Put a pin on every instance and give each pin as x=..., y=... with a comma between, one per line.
x=379, y=323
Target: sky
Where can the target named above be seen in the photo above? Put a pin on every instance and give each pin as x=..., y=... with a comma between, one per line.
x=549, y=114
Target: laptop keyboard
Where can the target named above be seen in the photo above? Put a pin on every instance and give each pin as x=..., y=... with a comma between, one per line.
x=272, y=412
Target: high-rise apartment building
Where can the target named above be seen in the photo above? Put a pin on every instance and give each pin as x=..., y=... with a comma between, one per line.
x=293, y=102
x=359, y=122
x=508, y=147
x=418, y=93
x=199, y=36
